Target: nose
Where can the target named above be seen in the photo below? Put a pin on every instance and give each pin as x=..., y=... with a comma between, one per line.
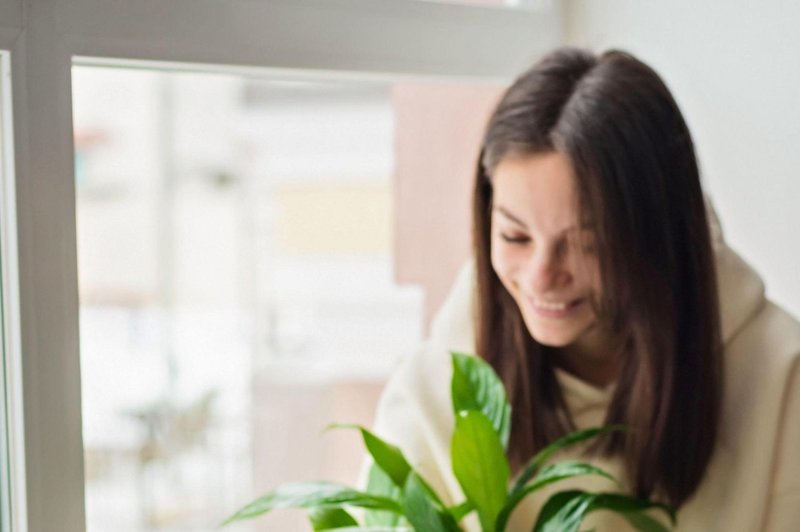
x=546, y=270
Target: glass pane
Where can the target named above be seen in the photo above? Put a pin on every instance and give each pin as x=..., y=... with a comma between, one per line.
x=251, y=260
x=236, y=288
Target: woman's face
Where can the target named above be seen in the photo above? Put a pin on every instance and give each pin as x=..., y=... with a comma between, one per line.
x=542, y=253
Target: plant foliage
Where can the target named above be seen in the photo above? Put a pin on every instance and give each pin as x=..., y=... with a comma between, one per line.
x=398, y=498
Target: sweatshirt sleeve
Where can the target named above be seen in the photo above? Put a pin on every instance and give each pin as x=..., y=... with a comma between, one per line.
x=414, y=412
x=784, y=503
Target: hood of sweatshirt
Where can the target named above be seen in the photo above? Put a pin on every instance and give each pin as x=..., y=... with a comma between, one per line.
x=762, y=344
x=741, y=290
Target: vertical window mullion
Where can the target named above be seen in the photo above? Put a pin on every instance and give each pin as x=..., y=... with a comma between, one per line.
x=12, y=450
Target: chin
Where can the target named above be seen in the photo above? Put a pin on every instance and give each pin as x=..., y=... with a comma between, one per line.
x=553, y=340
x=550, y=338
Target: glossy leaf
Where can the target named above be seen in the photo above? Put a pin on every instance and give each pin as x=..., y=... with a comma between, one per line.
x=330, y=518
x=459, y=511
x=311, y=495
x=643, y=522
x=387, y=456
x=565, y=511
x=376, y=528
x=533, y=466
x=626, y=505
x=480, y=465
x=548, y=475
x=379, y=483
x=475, y=386
x=424, y=512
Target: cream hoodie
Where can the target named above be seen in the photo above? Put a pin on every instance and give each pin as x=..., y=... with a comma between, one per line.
x=753, y=481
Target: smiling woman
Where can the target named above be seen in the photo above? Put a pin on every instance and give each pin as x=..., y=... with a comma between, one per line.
x=602, y=292
x=604, y=141
x=542, y=255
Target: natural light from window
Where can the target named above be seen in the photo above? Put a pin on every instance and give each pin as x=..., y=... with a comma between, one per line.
x=236, y=288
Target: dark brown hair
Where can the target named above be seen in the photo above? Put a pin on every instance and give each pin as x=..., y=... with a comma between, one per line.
x=637, y=180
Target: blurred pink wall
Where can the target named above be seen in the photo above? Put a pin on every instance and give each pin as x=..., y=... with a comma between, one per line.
x=438, y=130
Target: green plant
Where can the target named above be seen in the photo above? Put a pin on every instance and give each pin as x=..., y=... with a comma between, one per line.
x=398, y=499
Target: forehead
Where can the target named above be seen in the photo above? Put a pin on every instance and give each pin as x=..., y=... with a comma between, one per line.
x=539, y=190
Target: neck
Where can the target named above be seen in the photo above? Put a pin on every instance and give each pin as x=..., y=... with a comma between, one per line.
x=597, y=363
x=598, y=373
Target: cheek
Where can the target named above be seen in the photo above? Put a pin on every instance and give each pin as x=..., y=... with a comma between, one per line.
x=588, y=274
x=595, y=280
x=502, y=262
x=506, y=263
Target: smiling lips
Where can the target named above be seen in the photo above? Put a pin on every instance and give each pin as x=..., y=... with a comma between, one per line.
x=555, y=309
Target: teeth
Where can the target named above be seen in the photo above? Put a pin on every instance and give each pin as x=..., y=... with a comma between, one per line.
x=550, y=306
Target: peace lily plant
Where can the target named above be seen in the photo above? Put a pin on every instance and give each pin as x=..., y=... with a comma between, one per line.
x=398, y=499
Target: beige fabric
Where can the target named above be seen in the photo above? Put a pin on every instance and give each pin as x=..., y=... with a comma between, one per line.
x=753, y=482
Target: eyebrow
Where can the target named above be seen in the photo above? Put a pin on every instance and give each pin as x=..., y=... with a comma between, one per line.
x=502, y=210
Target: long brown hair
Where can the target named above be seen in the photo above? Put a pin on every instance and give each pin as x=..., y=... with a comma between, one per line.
x=638, y=181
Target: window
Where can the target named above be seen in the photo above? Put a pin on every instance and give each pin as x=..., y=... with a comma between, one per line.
x=237, y=292
x=238, y=271
x=240, y=36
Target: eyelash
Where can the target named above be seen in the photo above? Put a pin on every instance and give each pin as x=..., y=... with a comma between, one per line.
x=515, y=239
x=520, y=240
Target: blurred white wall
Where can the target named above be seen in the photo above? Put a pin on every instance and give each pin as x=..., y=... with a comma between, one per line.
x=734, y=68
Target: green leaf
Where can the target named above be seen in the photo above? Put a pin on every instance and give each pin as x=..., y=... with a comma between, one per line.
x=475, y=386
x=627, y=506
x=459, y=511
x=560, y=444
x=312, y=495
x=424, y=512
x=387, y=476
x=379, y=483
x=387, y=456
x=329, y=518
x=376, y=529
x=548, y=475
x=643, y=522
x=480, y=465
x=563, y=512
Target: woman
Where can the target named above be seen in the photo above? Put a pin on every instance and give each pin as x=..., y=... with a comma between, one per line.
x=602, y=292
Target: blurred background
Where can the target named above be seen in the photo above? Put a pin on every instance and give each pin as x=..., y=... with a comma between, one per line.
x=240, y=284
x=257, y=253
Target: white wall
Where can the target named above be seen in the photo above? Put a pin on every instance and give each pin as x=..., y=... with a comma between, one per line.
x=734, y=68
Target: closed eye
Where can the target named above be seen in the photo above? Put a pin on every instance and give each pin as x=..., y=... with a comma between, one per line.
x=514, y=239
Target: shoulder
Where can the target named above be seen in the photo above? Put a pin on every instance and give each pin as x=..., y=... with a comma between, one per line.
x=761, y=404
x=755, y=465
x=415, y=411
x=761, y=361
x=769, y=341
x=421, y=383
x=772, y=340
x=453, y=326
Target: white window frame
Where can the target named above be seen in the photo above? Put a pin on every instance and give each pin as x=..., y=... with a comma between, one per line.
x=373, y=37
x=12, y=454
